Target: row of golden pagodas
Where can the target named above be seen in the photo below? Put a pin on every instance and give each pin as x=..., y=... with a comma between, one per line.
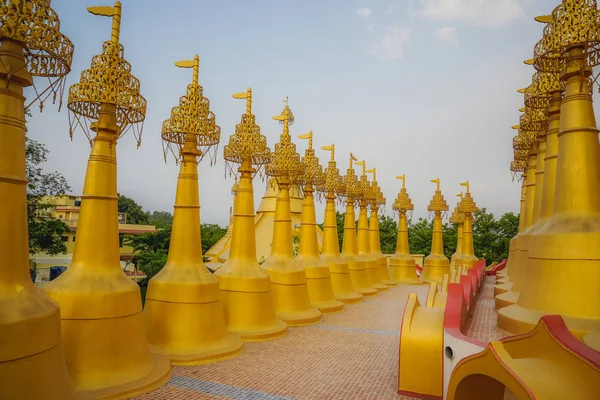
x=554, y=260
x=191, y=316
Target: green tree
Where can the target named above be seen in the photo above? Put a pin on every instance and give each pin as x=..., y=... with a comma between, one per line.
x=419, y=236
x=388, y=233
x=211, y=234
x=508, y=227
x=160, y=219
x=45, y=231
x=135, y=213
x=486, y=239
x=450, y=235
x=339, y=218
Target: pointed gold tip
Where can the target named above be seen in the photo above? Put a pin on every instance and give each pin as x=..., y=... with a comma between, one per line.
x=516, y=127
x=522, y=90
x=185, y=64
x=242, y=95
x=544, y=19
x=529, y=62
x=522, y=109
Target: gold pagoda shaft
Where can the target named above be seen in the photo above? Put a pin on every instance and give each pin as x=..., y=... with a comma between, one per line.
x=309, y=246
x=31, y=329
x=364, y=248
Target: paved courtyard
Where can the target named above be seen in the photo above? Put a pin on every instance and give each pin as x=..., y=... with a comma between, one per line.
x=349, y=355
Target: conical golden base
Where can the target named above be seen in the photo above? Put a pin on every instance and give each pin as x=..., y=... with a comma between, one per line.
x=248, y=305
x=99, y=313
x=373, y=274
x=320, y=291
x=30, y=333
x=184, y=317
x=341, y=282
x=384, y=273
x=562, y=275
x=359, y=277
x=290, y=293
x=435, y=267
x=403, y=269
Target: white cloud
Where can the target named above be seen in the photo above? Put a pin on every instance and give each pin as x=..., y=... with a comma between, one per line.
x=364, y=12
x=447, y=35
x=493, y=13
x=391, y=45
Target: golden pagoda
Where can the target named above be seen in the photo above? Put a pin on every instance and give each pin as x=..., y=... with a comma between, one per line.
x=288, y=279
x=467, y=207
x=563, y=269
x=338, y=265
x=99, y=304
x=356, y=264
x=318, y=277
x=183, y=310
x=403, y=267
x=245, y=287
x=436, y=264
x=362, y=235
x=377, y=201
x=532, y=131
x=457, y=218
x=31, y=45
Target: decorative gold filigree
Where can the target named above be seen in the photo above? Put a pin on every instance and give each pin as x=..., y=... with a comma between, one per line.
x=285, y=165
x=537, y=95
x=48, y=53
x=467, y=206
x=352, y=189
x=333, y=182
x=437, y=203
x=108, y=85
x=192, y=124
x=377, y=199
x=247, y=143
x=403, y=203
x=313, y=171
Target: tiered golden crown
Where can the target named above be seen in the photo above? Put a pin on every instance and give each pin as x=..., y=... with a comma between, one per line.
x=247, y=141
x=573, y=23
x=36, y=27
x=537, y=95
x=366, y=191
x=191, y=122
x=333, y=180
x=108, y=83
x=467, y=206
x=352, y=188
x=457, y=217
x=378, y=198
x=437, y=203
x=313, y=171
x=403, y=202
x=285, y=164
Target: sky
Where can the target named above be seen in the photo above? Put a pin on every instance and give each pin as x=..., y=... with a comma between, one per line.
x=426, y=88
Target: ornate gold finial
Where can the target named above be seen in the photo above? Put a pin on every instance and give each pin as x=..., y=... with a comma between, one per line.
x=108, y=86
x=378, y=198
x=313, y=171
x=466, y=204
x=247, y=143
x=403, y=202
x=48, y=53
x=437, y=203
x=333, y=182
x=352, y=188
x=192, y=126
x=457, y=217
x=115, y=13
x=285, y=165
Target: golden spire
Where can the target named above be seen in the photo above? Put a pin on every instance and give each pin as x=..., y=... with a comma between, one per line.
x=115, y=13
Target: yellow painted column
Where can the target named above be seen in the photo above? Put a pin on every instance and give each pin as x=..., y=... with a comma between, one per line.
x=338, y=265
x=357, y=265
x=403, y=267
x=364, y=249
x=183, y=309
x=30, y=331
x=467, y=207
x=436, y=264
x=564, y=263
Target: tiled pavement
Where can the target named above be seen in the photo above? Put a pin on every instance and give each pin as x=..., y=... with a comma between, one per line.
x=349, y=355
x=483, y=324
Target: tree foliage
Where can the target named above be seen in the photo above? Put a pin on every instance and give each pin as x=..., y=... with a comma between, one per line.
x=45, y=231
x=135, y=213
x=160, y=219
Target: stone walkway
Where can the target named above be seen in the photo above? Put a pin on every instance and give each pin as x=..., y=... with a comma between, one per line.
x=349, y=355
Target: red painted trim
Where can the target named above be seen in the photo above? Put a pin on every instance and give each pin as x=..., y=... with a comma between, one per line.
x=455, y=315
x=466, y=283
x=558, y=329
x=419, y=395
